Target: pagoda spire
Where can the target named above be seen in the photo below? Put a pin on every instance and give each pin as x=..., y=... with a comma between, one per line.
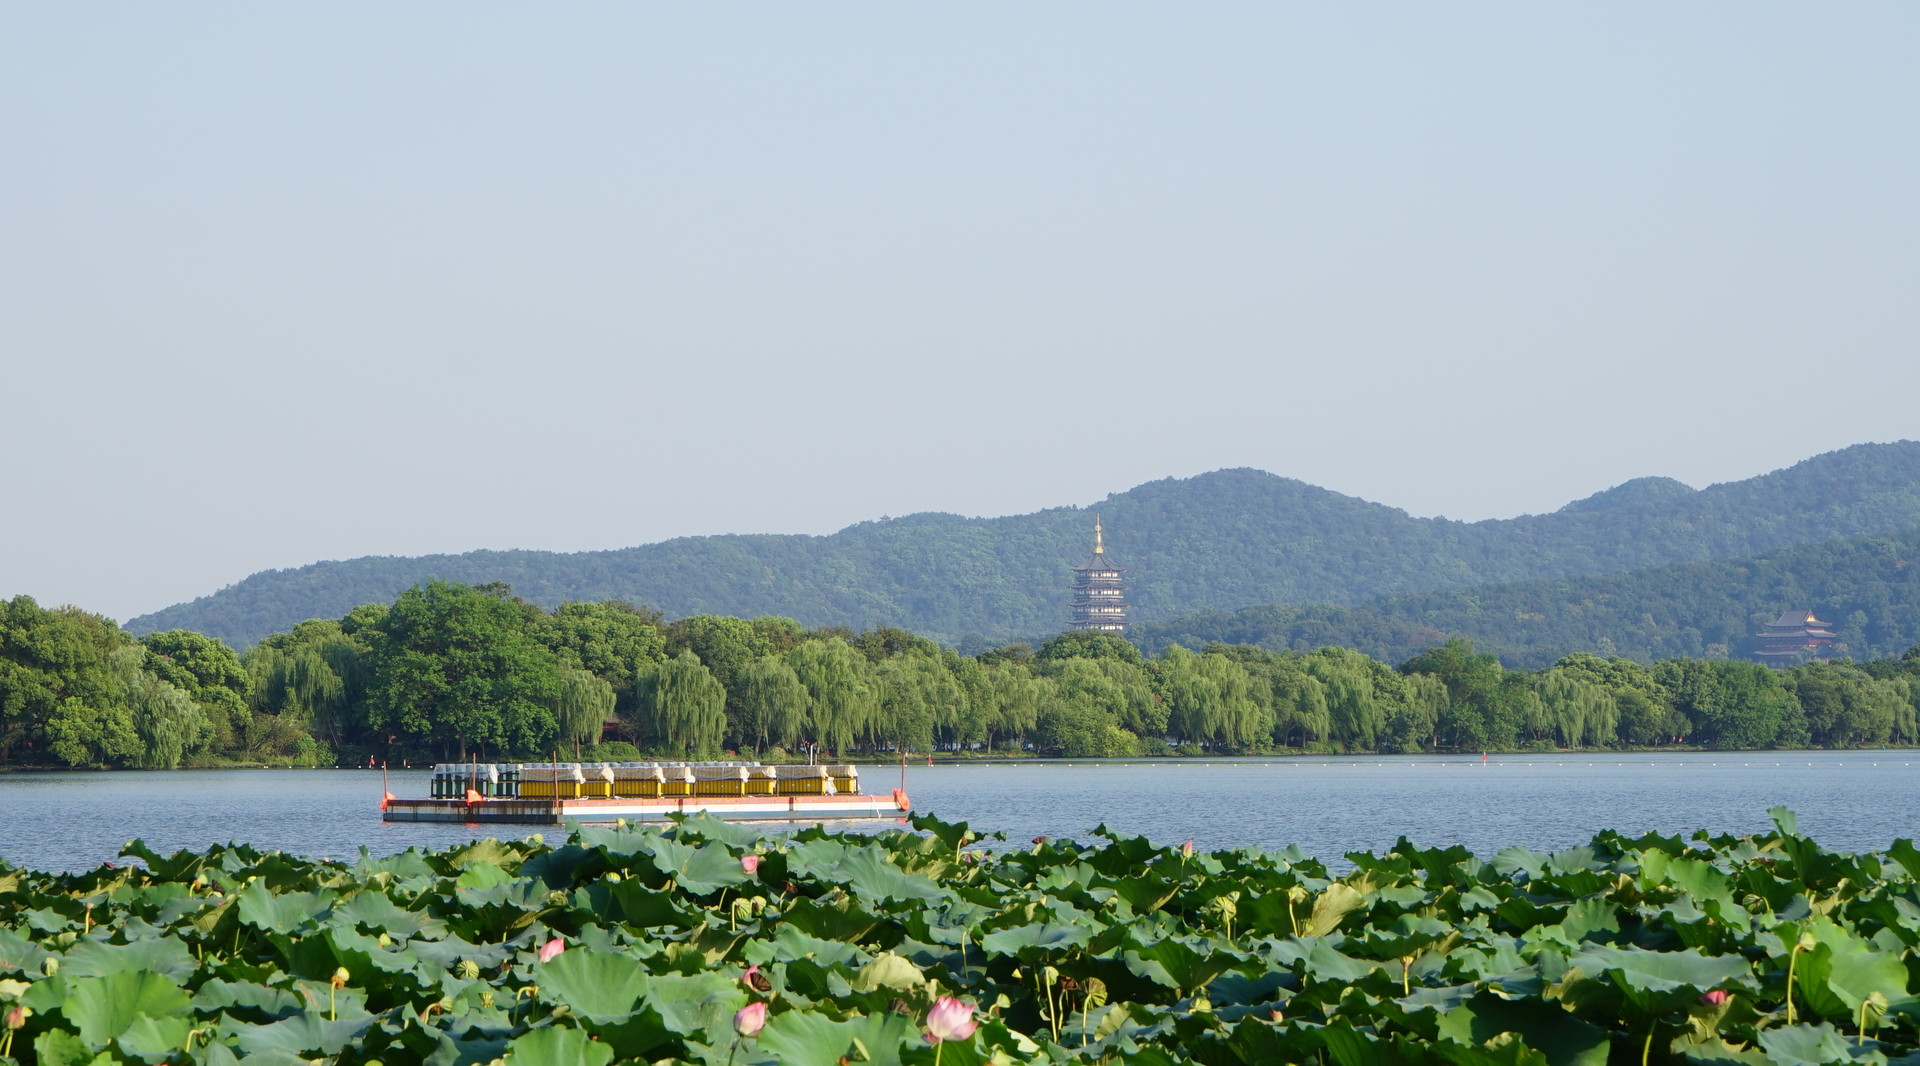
x=1099, y=595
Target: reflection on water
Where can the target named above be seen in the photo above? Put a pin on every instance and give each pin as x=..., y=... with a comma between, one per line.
x=1326, y=805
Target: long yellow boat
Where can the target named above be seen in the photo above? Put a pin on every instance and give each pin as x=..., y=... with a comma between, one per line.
x=550, y=793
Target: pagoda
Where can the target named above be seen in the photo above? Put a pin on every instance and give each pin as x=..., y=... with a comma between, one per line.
x=1794, y=638
x=1099, y=596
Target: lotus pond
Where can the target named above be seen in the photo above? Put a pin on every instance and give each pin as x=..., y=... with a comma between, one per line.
x=708, y=943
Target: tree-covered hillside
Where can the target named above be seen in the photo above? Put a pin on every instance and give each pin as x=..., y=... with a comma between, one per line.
x=1217, y=542
x=1868, y=587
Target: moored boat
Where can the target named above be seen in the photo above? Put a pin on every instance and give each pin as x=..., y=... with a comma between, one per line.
x=550, y=793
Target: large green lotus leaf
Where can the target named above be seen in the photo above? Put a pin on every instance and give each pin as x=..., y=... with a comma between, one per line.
x=372, y=912
x=1807, y=1045
x=57, y=1047
x=1508, y=861
x=19, y=953
x=155, y=1039
x=840, y=919
x=165, y=956
x=710, y=868
x=790, y=943
x=1180, y=965
x=698, y=1003
x=1834, y=981
x=445, y=953
x=951, y=834
x=489, y=852
x=706, y=827
x=868, y=875
x=562, y=867
x=247, y=1001
x=283, y=912
x=803, y=1038
x=1559, y=1037
x=557, y=1047
x=1656, y=981
x=477, y=876
x=104, y=1007
x=1037, y=941
x=302, y=1034
x=1348, y=1046
x=889, y=971
x=640, y=905
x=1318, y=961
x=596, y=984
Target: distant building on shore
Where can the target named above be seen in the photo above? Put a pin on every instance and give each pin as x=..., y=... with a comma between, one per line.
x=1099, y=594
x=1793, y=638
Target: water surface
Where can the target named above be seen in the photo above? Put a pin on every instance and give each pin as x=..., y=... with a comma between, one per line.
x=1328, y=806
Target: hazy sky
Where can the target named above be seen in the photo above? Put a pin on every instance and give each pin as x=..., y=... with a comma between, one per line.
x=281, y=284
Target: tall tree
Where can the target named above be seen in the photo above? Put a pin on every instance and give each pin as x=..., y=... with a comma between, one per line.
x=839, y=690
x=456, y=668
x=683, y=706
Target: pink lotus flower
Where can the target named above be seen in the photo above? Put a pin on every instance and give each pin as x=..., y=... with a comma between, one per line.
x=750, y=863
x=749, y=1019
x=950, y=1019
x=1714, y=998
x=551, y=948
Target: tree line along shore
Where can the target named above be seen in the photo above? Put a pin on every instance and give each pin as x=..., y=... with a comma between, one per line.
x=454, y=671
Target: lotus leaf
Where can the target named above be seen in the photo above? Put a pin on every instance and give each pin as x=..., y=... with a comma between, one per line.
x=794, y=1038
x=557, y=1047
x=1032, y=943
x=1560, y=1038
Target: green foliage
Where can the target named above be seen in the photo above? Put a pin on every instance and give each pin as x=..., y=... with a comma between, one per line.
x=642, y=945
x=682, y=707
x=457, y=666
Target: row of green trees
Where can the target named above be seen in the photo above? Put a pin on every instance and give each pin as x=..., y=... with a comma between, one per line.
x=452, y=671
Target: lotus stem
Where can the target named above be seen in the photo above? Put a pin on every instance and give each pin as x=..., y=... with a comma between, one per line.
x=1647, y=1048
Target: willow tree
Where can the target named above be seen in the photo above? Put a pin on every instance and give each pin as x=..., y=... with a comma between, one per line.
x=582, y=704
x=773, y=704
x=682, y=706
x=168, y=721
x=839, y=690
x=914, y=691
x=1210, y=700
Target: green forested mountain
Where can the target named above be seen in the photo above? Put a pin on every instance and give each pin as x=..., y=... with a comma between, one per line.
x=1868, y=587
x=1214, y=543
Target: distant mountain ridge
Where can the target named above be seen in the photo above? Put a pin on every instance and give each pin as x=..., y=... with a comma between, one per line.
x=1868, y=587
x=1213, y=543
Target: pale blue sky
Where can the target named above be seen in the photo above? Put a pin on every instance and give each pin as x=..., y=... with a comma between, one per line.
x=281, y=284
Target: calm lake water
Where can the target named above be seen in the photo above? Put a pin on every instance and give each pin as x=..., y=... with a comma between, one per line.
x=1328, y=806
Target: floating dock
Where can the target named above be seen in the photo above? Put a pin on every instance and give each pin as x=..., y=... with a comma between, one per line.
x=551, y=793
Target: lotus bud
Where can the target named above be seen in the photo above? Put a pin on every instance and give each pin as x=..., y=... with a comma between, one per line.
x=1297, y=894
x=1805, y=943
x=750, y=1019
x=1715, y=997
x=17, y=1017
x=1276, y=1017
x=1050, y=975
x=1186, y=849
x=384, y=940
x=759, y=905
x=613, y=877
x=50, y=965
x=750, y=863
x=340, y=977
x=552, y=948
x=1202, y=1005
